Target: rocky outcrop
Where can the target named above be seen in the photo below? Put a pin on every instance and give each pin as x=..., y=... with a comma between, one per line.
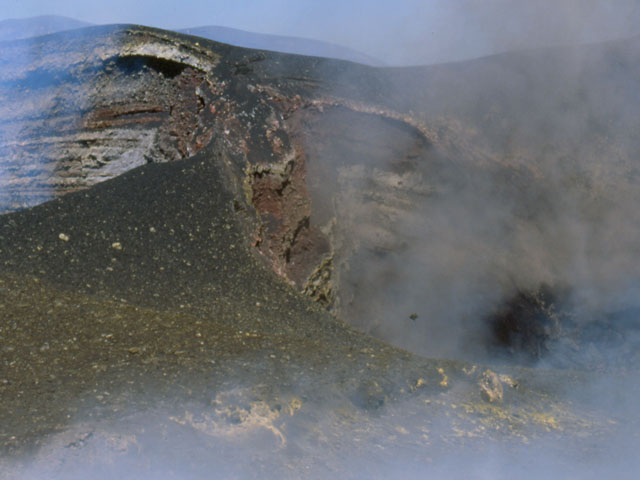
x=94, y=105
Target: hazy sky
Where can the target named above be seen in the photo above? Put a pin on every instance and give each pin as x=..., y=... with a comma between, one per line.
x=396, y=31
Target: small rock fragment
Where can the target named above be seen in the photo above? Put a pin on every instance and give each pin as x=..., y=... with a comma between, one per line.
x=490, y=387
x=444, y=383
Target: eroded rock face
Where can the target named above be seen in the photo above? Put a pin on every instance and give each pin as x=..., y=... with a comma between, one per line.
x=94, y=104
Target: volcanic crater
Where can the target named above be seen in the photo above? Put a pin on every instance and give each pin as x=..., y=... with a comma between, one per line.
x=194, y=227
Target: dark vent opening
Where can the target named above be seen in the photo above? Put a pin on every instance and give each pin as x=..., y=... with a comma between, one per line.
x=135, y=63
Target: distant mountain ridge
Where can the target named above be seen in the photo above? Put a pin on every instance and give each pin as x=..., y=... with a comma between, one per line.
x=19, y=28
x=280, y=43
x=15, y=29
